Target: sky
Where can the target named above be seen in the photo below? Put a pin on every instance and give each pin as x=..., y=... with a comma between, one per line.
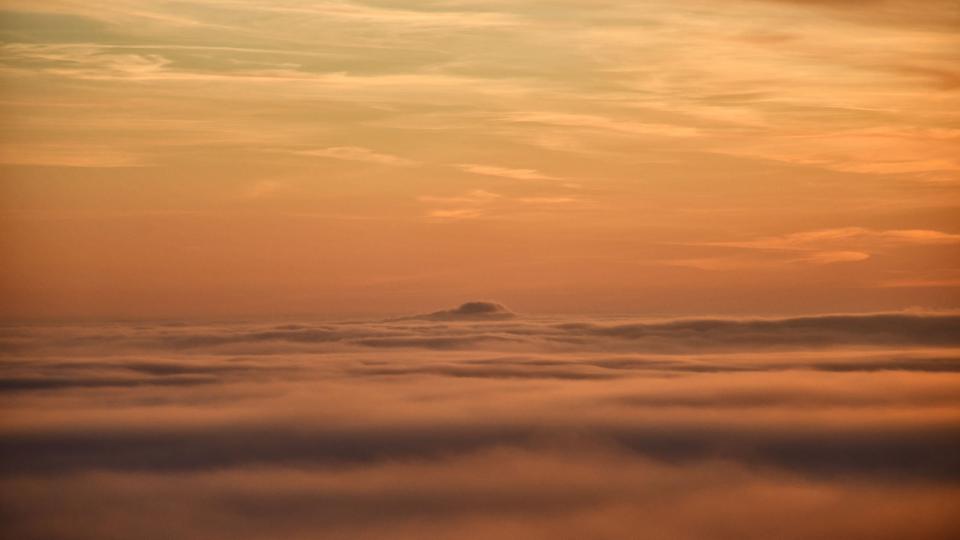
x=247, y=158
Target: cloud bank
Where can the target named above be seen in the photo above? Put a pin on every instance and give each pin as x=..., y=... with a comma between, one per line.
x=476, y=422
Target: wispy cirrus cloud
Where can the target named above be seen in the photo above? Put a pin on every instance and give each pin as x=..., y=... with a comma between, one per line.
x=455, y=213
x=657, y=110
x=382, y=15
x=818, y=247
x=357, y=153
x=160, y=13
x=920, y=283
x=815, y=240
x=479, y=203
x=476, y=196
x=601, y=123
x=505, y=172
x=72, y=155
x=754, y=262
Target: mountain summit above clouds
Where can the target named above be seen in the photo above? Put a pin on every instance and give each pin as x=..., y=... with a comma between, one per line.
x=470, y=311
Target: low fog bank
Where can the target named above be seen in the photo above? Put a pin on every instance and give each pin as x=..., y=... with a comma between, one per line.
x=490, y=326
x=483, y=424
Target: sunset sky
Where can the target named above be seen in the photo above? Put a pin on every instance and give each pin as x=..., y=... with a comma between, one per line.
x=215, y=158
x=480, y=269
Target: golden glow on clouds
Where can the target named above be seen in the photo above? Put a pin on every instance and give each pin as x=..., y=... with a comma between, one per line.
x=237, y=156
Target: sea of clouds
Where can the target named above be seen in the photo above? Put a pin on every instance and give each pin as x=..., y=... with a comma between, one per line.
x=476, y=423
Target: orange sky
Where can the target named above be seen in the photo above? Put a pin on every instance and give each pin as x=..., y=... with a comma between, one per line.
x=289, y=157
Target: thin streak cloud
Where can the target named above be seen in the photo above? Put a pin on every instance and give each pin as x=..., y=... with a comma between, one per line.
x=355, y=153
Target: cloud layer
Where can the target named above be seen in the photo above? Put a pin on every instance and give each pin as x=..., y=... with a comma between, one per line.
x=450, y=426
